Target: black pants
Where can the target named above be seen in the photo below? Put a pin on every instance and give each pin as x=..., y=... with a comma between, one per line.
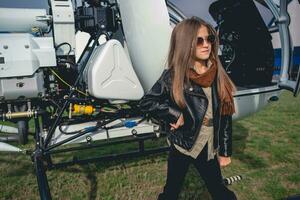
x=210, y=172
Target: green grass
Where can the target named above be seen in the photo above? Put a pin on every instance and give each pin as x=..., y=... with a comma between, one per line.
x=266, y=153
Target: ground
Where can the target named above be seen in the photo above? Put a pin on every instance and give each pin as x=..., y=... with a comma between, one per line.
x=266, y=153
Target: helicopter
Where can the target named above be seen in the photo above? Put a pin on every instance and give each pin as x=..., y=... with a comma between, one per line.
x=79, y=68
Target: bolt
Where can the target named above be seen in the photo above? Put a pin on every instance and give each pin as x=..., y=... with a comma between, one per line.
x=88, y=139
x=134, y=132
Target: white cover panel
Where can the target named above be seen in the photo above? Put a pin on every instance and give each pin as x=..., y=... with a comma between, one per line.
x=101, y=134
x=63, y=26
x=110, y=74
x=24, y=54
x=250, y=101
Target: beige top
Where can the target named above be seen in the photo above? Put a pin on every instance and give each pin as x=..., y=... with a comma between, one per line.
x=206, y=134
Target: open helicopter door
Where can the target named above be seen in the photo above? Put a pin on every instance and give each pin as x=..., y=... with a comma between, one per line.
x=286, y=16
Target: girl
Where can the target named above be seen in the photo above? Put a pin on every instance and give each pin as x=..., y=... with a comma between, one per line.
x=194, y=97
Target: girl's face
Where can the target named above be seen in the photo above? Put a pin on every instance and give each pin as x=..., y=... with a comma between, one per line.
x=204, y=43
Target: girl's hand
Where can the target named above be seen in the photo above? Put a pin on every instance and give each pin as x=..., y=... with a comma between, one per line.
x=179, y=123
x=224, y=161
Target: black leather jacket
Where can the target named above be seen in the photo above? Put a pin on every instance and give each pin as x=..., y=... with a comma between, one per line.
x=159, y=104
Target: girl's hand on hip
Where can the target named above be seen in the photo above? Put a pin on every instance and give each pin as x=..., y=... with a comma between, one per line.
x=179, y=123
x=224, y=161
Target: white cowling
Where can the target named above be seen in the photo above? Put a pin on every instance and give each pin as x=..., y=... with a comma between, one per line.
x=110, y=75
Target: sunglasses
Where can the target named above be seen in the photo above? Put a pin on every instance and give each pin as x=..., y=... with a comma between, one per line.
x=210, y=39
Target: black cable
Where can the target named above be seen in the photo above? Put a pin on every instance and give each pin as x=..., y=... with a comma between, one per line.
x=67, y=133
x=64, y=43
x=72, y=123
x=99, y=125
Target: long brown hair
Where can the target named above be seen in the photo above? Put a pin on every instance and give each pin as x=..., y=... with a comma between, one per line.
x=181, y=57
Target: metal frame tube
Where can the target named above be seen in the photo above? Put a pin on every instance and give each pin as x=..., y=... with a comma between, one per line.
x=110, y=157
x=41, y=178
x=283, y=19
x=40, y=170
